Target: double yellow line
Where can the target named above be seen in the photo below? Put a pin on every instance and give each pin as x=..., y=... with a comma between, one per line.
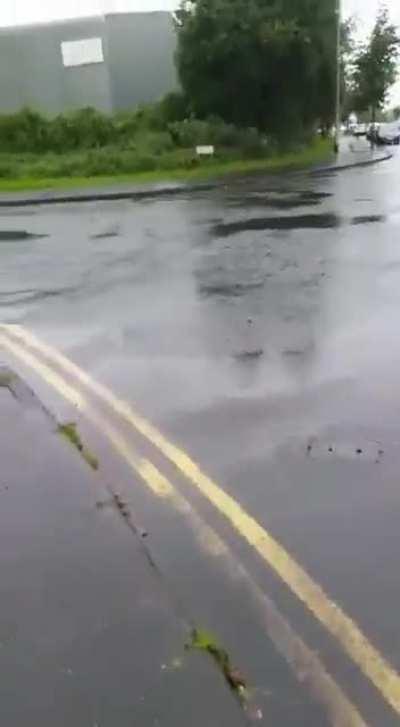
x=48, y=363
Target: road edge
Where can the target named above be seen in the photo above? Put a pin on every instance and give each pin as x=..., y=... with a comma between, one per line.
x=344, y=167
x=164, y=191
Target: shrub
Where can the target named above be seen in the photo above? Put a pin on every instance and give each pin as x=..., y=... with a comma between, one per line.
x=24, y=131
x=174, y=107
x=8, y=170
x=152, y=142
x=114, y=161
x=83, y=129
x=194, y=132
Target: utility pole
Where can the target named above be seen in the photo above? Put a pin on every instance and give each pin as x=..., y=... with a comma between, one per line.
x=338, y=121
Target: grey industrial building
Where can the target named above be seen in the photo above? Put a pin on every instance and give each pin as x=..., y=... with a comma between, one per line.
x=111, y=62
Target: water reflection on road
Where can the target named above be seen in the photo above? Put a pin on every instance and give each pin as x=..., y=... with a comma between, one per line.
x=257, y=325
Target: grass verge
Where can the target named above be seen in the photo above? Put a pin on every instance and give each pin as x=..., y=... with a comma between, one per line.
x=318, y=152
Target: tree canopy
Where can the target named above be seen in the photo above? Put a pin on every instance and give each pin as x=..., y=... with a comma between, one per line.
x=375, y=66
x=264, y=63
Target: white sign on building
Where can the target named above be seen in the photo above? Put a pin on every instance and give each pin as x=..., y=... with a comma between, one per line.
x=82, y=52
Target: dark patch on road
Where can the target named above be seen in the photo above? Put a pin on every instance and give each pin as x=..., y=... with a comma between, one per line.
x=367, y=219
x=22, y=213
x=105, y=235
x=32, y=296
x=294, y=222
x=316, y=196
x=282, y=200
x=18, y=235
x=229, y=289
x=249, y=355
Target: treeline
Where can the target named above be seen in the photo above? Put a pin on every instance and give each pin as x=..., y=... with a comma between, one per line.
x=270, y=64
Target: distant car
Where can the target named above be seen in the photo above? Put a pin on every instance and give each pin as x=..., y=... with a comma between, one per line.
x=388, y=134
x=360, y=129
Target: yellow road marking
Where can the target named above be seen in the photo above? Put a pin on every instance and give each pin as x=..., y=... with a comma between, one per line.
x=305, y=664
x=327, y=612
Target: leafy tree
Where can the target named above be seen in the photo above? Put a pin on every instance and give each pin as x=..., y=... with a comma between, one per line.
x=375, y=66
x=264, y=63
x=347, y=51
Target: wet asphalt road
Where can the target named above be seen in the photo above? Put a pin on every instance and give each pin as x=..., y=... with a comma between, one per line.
x=256, y=325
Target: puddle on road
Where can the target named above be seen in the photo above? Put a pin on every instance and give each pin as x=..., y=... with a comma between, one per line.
x=294, y=222
x=328, y=220
x=14, y=297
x=367, y=219
x=105, y=234
x=229, y=289
x=18, y=235
x=281, y=200
x=20, y=213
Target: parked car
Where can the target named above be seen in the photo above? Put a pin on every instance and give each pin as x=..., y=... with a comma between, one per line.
x=360, y=129
x=388, y=134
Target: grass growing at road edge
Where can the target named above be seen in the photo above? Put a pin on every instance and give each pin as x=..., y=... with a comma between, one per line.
x=70, y=432
x=204, y=641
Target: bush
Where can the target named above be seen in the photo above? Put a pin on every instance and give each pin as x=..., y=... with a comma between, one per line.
x=151, y=142
x=8, y=170
x=194, y=132
x=252, y=143
x=24, y=131
x=174, y=107
x=114, y=161
x=89, y=143
x=83, y=129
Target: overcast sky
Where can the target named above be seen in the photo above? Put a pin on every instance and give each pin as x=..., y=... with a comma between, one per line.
x=28, y=11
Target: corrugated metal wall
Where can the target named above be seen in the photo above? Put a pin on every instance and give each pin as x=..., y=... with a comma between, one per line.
x=141, y=48
x=138, y=64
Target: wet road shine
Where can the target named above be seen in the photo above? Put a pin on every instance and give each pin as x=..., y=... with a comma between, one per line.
x=265, y=347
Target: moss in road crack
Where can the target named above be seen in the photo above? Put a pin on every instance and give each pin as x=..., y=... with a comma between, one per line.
x=204, y=641
x=7, y=378
x=70, y=432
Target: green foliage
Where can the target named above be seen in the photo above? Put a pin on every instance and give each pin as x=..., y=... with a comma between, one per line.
x=82, y=129
x=89, y=143
x=70, y=432
x=29, y=131
x=268, y=64
x=204, y=641
x=37, y=172
x=174, y=107
x=151, y=140
x=193, y=132
x=26, y=130
x=375, y=66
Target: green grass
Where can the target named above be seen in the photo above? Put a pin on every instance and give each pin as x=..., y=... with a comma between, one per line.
x=6, y=378
x=202, y=640
x=70, y=432
x=319, y=151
